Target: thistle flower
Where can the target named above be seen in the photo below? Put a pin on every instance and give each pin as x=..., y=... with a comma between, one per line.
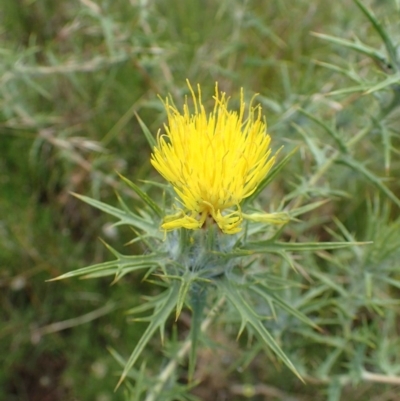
x=213, y=162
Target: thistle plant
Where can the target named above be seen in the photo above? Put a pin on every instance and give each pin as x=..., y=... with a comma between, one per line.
x=205, y=241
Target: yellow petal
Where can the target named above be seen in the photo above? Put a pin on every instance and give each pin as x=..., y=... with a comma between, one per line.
x=213, y=160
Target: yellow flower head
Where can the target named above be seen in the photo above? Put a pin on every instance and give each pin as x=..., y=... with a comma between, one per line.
x=213, y=161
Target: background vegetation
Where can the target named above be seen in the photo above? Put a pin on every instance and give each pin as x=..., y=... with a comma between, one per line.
x=72, y=75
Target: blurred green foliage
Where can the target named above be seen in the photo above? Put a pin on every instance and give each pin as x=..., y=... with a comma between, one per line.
x=72, y=75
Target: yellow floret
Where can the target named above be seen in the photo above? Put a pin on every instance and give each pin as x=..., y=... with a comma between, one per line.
x=213, y=161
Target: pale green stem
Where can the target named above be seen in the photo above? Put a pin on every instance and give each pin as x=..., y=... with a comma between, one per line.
x=365, y=376
x=250, y=390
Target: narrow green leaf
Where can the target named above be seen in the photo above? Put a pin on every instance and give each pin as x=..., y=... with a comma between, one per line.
x=271, y=175
x=165, y=187
x=352, y=74
x=324, y=369
x=334, y=392
x=391, y=281
x=276, y=282
x=33, y=83
x=249, y=317
x=385, y=303
x=164, y=309
x=357, y=46
x=149, y=302
x=140, y=382
x=185, y=285
x=269, y=295
x=307, y=208
x=146, y=198
x=387, y=146
x=126, y=218
x=119, y=125
x=349, y=90
x=140, y=378
x=120, y=360
x=146, y=132
x=122, y=264
x=332, y=133
x=317, y=152
x=267, y=246
x=329, y=282
x=389, y=81
x=88, y=270
x=118, y=276
x=355, y=165
x=391, y=49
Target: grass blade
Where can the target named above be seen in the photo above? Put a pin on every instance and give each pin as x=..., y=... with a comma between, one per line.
x=146, y=198
x=146, y=132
